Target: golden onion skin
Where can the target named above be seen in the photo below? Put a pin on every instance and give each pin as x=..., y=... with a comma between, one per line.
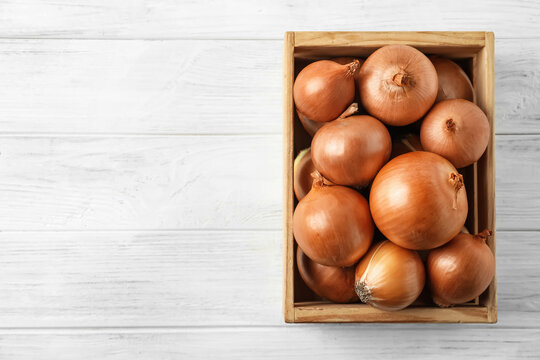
x=456, y=129
x=461, y=270
x=332, y=225
x=350, y=151
x=389, y=277
x=309, y=125
x=302, y=169
x=398, y=84
x=330, y=282
x=324, y=89
x=453, y=82
x=418, y=200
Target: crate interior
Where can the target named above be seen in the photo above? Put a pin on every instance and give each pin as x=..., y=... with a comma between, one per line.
x=464, y=57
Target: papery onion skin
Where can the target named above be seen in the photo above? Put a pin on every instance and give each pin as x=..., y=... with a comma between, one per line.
x=418, y=200
x=303, y=167
x=350, y=151
x=453, y=81
x=389, y=277
x=324, y=89
x=332, y=225
x=461, y=270
x=405, y=144
x=456, y=129
x=330, y=282
x=398, y=84
x=309, y=125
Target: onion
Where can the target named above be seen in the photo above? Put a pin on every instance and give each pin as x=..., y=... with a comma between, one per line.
x=460, y=270
x=330, y=282
x=350, y=151
x=332, y=224
x=389, y=277
x=303, y=167
x=312, y=126
x=453, y=82
x=405, y=144
x=398, y=84
x=457, y=130
x=324, y=89
x=418, y=200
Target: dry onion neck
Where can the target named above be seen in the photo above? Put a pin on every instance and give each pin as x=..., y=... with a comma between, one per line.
x=320, y=181
x=401, y=79
x=483, y=235
x=352, y=68
x=457, y=181
x=450, y=125
x=351, y=110
x=363, y=291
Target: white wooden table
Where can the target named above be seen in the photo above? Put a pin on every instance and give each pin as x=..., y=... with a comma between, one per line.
x=140, y=180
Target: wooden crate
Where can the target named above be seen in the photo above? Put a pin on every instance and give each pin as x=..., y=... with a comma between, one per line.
x=475, y=52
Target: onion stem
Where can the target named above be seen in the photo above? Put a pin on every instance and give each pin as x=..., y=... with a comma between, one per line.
x=400, y=79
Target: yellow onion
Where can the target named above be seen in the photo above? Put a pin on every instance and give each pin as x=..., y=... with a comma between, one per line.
x=398, y=84
x=460, y=270
x=456, y=129
x=330, y=282
x=324, y=89
x=418, y=200
x=389, y=277
x=453, y=82
x=332, y=224
x=303, y=167
x=350, y=151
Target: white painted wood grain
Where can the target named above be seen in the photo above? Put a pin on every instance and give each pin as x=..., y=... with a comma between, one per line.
x=517, y=85
x=246, y=19
x=206, y=283
x=517, y=185
x=191, y=278
x=160, y=182
x=191, y=182
x=291, y=342
x=140, y=278
x=191, y=87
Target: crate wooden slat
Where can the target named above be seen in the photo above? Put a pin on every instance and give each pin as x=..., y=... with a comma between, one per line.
x=329, y=312
x=477, y=48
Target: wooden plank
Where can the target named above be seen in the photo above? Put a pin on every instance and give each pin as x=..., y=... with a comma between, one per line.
x=190, y=87
x=261, y=20
x=292, y=342
x=516, y=80
x=191, y=182
x=486, y=165
x=364, y=313
x=135, y=278
x=63, y=86
x=288, y=197
x=191, y=278
x=456, y=41
x=160, y=182
x=517, y=182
